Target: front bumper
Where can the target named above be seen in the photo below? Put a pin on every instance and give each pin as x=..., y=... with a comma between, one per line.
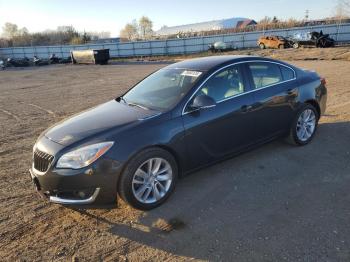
x=91, y=186
x=69, y=201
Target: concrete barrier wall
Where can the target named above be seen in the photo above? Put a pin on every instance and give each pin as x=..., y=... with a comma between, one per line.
x=340, y=32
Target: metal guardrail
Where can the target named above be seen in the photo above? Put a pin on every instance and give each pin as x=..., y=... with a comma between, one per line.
x=340, y=32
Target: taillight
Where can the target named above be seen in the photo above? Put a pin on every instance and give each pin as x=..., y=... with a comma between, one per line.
x=323, y=81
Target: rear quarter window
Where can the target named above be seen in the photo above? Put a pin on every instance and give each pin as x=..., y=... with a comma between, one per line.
x=287, y=73
x=265, y=74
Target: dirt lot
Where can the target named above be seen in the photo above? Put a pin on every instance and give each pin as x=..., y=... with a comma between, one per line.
x=277, y=203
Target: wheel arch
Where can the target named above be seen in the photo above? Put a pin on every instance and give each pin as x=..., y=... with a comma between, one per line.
x=163, y=147
x=315, y=104
x=174, y=154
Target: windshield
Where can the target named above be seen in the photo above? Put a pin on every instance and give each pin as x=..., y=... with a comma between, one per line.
x=163, y=89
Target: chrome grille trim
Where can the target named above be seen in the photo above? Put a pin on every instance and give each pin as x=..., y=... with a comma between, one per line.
x=42, y=160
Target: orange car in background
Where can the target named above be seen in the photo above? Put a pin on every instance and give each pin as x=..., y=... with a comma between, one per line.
x=273, y=42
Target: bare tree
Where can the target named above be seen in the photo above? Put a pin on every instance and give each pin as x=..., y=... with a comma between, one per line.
x=97, y=35
x=145, y=27
x=141, y=30
x=265, y=22
x=14, y=36
x=129, y=32
x=342, y=9
x=9, y=30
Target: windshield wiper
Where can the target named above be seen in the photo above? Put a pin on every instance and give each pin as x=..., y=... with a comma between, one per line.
x=122, y=99
x=132, y=104
x=140, y=106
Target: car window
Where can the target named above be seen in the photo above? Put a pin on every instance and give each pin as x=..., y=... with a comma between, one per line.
x=287, y=73
x=225, y=84
x=265, y=74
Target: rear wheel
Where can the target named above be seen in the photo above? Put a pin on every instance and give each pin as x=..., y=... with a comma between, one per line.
x=281, y=46
x=262, y=46
x=296, y=45
x=148, y=179
x=322, y=43
x=304, y=126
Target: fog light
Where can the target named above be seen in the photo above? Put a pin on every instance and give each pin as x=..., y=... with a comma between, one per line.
x=89, y=172
x=81, y=194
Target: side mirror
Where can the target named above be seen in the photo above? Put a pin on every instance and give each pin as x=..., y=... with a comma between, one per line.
x=203, y=101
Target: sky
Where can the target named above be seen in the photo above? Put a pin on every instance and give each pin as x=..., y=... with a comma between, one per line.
x=109, y=15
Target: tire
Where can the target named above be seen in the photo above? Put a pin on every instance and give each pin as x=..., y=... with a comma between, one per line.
x=281, y=46
x=296, y=45
x=132, y=185
x=295, y=132
x=262, y=46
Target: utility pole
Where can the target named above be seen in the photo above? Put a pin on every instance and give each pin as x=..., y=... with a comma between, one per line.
x=307, y=12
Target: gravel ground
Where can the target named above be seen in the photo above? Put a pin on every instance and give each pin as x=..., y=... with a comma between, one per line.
x=276, y=203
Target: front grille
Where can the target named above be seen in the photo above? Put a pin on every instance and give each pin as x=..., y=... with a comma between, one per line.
x=41, y=160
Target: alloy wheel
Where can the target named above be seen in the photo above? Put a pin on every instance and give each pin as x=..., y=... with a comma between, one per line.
x=306, y=125
x=152, y=180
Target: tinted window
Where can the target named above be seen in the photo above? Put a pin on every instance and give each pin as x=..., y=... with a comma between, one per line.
x=287, y=73
x=225, y=84
x=265, y=74
x=163, y=89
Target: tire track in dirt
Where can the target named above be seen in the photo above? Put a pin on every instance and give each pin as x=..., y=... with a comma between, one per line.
x=10, y=114
x=43, y=109
x=88, y=220
x=19, y=232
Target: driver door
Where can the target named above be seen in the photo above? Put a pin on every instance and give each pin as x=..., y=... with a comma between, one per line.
x=212, y=133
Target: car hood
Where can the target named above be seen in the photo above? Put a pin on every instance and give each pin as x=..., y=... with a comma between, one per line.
x=107, y=116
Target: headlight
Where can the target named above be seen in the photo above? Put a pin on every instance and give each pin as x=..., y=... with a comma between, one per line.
x=83, y=156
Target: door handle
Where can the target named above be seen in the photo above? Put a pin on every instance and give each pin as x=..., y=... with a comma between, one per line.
x=246, y=108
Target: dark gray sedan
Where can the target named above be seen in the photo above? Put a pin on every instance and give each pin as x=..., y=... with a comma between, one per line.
x=183, y=117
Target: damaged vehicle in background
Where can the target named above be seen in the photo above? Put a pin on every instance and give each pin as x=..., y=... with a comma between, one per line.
x=36, y=61
x=17, y=62
x=221, y=46
x=316, y=39
x=279, y=42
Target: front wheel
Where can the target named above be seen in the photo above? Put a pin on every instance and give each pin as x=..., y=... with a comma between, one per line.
x=296, y=45
x=262, y=46
x=148, y=179
x=304, y=126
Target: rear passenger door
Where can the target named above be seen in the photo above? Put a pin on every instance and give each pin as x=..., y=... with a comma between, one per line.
x=274, y=95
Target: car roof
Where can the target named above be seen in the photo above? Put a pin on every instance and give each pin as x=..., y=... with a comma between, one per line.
x=213, y=62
